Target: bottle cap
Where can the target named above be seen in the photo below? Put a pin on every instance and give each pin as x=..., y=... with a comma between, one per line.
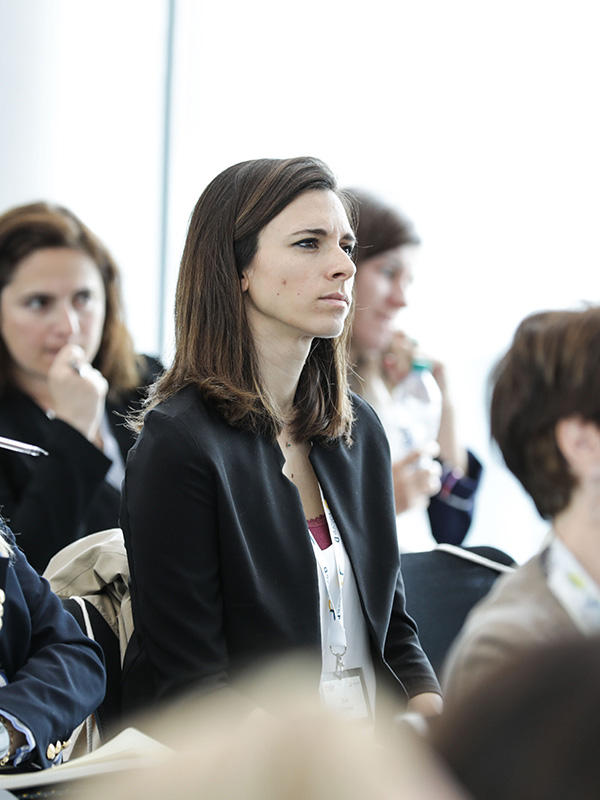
x=421, y=363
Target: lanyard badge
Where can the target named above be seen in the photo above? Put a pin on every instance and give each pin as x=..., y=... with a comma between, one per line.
x=344, y=689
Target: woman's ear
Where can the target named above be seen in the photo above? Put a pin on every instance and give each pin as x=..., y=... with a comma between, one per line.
x=244, y=282
x=579, y=442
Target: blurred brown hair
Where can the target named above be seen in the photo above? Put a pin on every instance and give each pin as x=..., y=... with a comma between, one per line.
x=551, y=372
x=380, y=227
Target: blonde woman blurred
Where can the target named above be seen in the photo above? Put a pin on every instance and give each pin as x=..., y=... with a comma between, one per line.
x=434, y=499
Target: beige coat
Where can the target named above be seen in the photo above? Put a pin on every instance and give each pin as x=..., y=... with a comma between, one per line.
x=96, y=568
x=519, y=611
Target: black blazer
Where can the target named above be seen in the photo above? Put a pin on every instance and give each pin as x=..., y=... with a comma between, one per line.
x=55, y=674
x=223, y=572
x=54, y=500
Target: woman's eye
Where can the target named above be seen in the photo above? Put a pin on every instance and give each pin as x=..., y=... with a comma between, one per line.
x=391, y=271
x=308, y=244
x=348, y=248
x=82, y=298
x=38, y=302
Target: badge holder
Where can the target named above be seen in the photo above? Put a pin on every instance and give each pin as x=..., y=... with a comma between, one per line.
x=345, y=691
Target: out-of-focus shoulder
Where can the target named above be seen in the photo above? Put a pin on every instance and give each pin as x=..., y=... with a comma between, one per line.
x=364, y=412
x=150, y=368
x=360, y=405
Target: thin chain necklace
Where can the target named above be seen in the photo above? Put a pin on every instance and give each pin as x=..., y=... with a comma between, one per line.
x=287, y=440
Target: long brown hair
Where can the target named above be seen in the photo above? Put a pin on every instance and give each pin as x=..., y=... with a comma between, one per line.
x=214, y=348
x=37, y=226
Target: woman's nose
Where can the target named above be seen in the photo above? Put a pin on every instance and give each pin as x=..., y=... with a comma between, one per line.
x=67, y=320
x=397, y=296
x=342, y=267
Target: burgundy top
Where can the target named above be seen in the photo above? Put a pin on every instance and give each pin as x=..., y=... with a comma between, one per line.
x=320, y=531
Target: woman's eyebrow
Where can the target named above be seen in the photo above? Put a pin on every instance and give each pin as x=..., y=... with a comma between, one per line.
x=313, y=231
x=322, y=232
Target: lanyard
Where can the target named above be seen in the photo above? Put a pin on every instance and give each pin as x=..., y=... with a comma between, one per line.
x=334, y=582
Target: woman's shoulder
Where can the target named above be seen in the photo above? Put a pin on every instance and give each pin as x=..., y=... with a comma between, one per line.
x=150, y=368
x=14, y=400
x=186, y=428
x=184, y=402
x=187, y=411
x=20, y=416
x=365, y=415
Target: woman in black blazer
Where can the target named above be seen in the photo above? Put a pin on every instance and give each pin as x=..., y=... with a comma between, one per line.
x=68, y=377
x=257, y=504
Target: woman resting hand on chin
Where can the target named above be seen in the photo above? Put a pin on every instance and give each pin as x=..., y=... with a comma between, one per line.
x=68, y=375
x=258, y=506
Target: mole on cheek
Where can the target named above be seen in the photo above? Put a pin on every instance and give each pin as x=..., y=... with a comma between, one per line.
x=284, y=282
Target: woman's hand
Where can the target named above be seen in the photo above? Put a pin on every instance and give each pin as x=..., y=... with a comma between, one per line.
x=416, y=478
x=78, y=391
x=397, y=360
x=396, y=364
x=429, y=704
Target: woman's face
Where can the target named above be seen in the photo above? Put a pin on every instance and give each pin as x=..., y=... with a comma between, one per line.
x=299, y=283
x=381, y=291
x=55, y=297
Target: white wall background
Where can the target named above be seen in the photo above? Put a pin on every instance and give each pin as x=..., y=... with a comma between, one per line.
x=81, y=123
x=478, y=117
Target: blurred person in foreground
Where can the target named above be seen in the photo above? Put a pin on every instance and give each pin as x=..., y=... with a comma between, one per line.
x=294, y=748
x=68, y=376
x=545, y=418
x=434, y=499
x=530, y=729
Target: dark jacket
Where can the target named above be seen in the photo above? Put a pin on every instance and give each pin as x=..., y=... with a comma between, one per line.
x=52, y=500
x=55, y=674
x=223, y=572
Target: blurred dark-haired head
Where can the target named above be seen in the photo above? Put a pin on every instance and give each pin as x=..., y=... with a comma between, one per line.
x=550, y=373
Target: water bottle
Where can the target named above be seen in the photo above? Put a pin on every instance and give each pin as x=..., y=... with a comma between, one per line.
x=420, y=398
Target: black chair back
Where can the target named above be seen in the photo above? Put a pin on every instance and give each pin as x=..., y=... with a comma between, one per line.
x=443, y=585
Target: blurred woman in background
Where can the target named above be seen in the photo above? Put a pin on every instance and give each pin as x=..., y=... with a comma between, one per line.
x=382, y=357
x=68, y=375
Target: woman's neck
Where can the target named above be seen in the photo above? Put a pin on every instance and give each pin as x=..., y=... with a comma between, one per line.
x=280, y=368
x=578, y=527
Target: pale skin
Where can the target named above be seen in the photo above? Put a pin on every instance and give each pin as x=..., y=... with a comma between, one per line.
x=52, y=315
x=298, y=286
